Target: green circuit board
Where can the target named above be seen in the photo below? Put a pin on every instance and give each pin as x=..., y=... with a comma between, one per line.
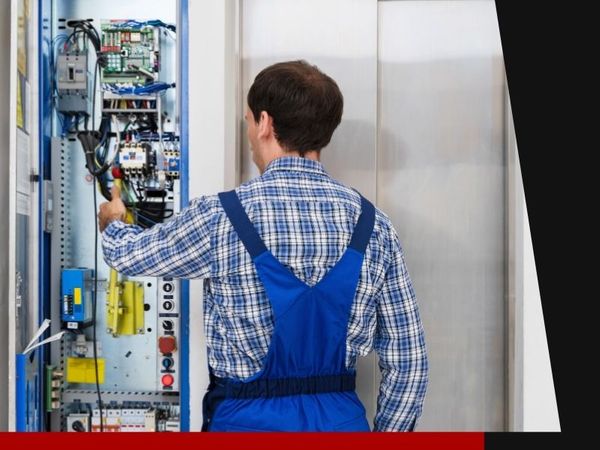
x=133, y=53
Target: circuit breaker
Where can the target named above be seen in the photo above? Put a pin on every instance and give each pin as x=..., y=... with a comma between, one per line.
x=115, y=119
x=72, y=83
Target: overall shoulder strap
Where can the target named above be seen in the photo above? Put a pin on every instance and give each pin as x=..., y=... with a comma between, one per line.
x=364, y=227
x=241, y=223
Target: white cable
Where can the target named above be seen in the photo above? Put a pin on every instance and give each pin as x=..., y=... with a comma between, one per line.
x=118, y=143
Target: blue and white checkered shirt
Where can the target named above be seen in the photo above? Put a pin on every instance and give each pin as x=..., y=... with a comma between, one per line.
x=306, y=219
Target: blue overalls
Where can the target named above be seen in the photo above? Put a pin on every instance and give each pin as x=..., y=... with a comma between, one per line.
x=303, y=384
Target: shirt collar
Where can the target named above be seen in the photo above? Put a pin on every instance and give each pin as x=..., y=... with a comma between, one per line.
x=296, y=163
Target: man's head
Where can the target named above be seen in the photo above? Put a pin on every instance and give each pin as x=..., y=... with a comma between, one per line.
x=293, y=109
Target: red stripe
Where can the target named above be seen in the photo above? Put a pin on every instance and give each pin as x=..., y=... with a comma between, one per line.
x=243, y=441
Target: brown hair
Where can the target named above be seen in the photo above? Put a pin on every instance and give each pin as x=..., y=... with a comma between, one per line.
x=306, y=105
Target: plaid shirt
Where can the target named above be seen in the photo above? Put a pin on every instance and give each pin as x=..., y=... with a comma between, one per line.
x=306, y=219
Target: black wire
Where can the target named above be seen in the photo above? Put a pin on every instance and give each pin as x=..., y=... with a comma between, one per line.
x=96, y=69
x=87, y=28
x=68, y=42
x=144, y=222
x=139, y=188
x=89, y=32
x=156, y=218
x=104, y=143
x=94, y=307
x=104, y=188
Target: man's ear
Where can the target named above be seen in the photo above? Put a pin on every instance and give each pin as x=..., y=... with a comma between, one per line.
x=265, y=125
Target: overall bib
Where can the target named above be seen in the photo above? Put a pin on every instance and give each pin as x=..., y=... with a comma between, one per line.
x=303, y=384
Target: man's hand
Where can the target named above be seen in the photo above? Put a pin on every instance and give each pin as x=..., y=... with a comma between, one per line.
x=113, y=210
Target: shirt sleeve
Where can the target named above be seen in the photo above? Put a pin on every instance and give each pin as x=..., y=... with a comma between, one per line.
x=178, y=248
x=400, y=344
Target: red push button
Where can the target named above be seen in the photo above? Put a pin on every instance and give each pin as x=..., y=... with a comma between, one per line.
x=167, y=344
x=167, y=380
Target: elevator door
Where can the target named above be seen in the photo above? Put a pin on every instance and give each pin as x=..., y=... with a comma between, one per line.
x=422, y=134
x=441, y=172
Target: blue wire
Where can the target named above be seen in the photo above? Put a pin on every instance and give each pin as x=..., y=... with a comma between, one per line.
x=152, y=23
x=140, y=90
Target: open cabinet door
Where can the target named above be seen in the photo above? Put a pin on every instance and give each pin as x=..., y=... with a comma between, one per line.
x=4, y=181
x=23, y=319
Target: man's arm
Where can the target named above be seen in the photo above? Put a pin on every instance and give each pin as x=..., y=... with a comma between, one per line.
x=400, y=344
x=178, y=248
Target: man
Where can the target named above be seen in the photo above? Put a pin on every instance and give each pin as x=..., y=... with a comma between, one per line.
x=303, y=275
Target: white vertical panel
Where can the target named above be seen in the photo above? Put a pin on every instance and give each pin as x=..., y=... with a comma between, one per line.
x=213, y=79
x=5, y=67
x=340, y=37
x=34, y=237
x=22, y=192
x=540, y=411
x=514, y=324
x=12, y=215
x=441, y=179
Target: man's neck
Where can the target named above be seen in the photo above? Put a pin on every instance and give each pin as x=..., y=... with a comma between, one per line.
x=312, y=154
x=280, y=153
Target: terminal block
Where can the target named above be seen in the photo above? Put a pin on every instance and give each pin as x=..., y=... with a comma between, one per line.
x=54, y=379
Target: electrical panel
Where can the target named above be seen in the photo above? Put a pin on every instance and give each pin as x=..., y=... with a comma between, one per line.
x=115, y=123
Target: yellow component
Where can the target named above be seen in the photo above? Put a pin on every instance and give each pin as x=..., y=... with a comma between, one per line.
x=20, y=108
x=125, y=299
x=83, y=370
x=132, y=320
x=128, y=217
x=77, y=296
x=128, y=214
x=125, y=306
x=114, y=307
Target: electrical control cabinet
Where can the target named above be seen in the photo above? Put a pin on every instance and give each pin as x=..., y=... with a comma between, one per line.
x=113, y=117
